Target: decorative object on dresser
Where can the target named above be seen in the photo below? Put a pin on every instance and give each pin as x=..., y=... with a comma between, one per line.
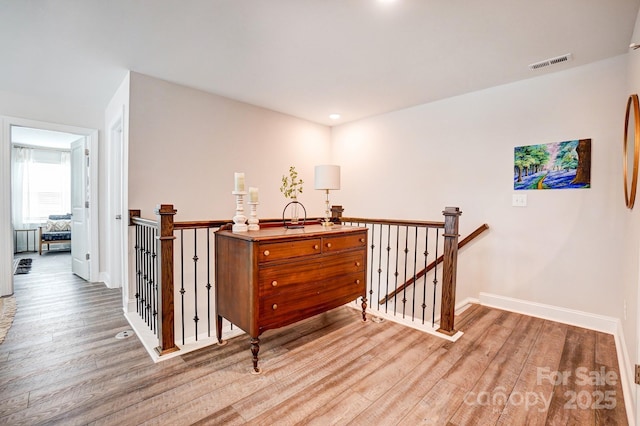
x=290, y=188
x=253, y=209
x=239, y=219
x=277, y=276
x=327, y=177
x=57, y=230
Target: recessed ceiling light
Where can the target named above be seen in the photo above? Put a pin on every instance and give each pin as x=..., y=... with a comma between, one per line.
x=334, y=116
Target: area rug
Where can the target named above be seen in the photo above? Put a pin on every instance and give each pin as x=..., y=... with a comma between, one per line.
x=7, y=312
x=23, y=266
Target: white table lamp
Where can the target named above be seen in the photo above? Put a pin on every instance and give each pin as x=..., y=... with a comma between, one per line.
x=327, y=177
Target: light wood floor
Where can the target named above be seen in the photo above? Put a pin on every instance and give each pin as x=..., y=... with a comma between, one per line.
x=61, y=364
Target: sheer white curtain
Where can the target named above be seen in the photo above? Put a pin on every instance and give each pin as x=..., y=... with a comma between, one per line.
x=22, y=161
x=65, y=181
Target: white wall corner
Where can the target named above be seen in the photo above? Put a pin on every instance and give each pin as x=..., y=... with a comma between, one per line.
x=627, y=370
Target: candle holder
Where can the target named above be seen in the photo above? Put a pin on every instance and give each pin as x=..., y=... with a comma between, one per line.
x=239, y=220
x=253, y=216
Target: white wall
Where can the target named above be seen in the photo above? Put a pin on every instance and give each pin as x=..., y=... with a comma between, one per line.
x=564, y=249
x=632, y=233
x=185, y=145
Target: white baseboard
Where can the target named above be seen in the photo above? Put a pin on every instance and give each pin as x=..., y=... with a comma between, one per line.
x=627, y=375
x=582, y=319
x=104, y=277
x=604, y=324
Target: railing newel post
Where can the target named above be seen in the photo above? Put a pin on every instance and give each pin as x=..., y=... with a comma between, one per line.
x=166, y=333
x=133, y=213
x=448, y=301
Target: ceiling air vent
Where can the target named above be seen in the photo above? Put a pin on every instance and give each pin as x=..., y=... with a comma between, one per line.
x=550, y=61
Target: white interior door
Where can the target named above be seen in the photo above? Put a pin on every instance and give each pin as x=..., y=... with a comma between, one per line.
x=79, y=208
x=118, y=218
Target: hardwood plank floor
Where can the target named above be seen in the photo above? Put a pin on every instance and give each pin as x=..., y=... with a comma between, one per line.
x=61, y=364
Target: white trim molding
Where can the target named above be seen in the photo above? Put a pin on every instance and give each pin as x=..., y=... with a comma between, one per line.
x=6, y=229
x=582, y=319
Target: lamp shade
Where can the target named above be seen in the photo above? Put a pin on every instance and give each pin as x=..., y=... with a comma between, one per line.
x=327, y=177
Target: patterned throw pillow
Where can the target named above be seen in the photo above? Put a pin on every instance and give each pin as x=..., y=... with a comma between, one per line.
x=58, y=226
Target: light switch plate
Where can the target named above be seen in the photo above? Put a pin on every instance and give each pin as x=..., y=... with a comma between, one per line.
x=519, y=200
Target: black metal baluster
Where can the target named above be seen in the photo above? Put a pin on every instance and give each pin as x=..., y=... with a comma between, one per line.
x=415, y=271
x=138, y=272
x=435, y=283
x=148, y=286
x=395, y=273
x=182, y=290
x=406, y=252
x=145, y=266
x=388, y=261
x=424, y=280
x=195, y=281
x=154, y=277
x=370, y=266
x=208, y=283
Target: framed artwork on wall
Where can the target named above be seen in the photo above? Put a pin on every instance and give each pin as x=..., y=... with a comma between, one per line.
x=559, y=165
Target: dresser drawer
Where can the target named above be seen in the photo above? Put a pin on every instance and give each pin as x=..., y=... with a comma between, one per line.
x=343, y=242
x=279, y=277
x=268, y=252
x=300, y=301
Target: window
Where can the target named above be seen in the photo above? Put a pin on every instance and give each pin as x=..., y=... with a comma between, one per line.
x=41, y=185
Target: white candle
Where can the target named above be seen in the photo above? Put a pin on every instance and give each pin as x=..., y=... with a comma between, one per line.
x=253, y=194
x=239, y=181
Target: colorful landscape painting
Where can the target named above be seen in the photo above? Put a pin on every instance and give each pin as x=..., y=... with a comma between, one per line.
x=559, y=165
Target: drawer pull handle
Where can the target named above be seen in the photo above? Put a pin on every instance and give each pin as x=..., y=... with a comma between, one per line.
x=274, y=283
x=274, y=307
x=266, y=252
x=357, y=281
x=316, y=247
x=357, y=263
x=328, y=245
x=362, y=240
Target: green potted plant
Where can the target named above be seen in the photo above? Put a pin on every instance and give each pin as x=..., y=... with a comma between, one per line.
x=290, y=188
x=291, y=185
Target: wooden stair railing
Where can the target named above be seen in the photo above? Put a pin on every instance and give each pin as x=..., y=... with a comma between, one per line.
x=165, y=285
x=433, y=264
x=449, y=258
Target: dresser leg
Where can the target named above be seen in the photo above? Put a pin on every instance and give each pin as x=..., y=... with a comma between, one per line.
x=364, y=309
x=255, y=348
x=219, y=329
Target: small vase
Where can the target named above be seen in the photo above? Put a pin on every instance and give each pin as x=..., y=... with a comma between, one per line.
x=295, y=211
x=295, y=221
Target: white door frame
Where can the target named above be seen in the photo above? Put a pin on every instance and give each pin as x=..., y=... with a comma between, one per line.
x=6, y=237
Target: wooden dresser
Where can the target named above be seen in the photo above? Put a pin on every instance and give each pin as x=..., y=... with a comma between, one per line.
x=276, y=276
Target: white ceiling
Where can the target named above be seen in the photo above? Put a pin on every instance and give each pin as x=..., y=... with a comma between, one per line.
x=307, y=58
x=42, y=138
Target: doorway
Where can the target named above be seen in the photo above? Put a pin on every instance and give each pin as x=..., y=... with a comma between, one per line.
x=40, y=195
x=16, y=126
